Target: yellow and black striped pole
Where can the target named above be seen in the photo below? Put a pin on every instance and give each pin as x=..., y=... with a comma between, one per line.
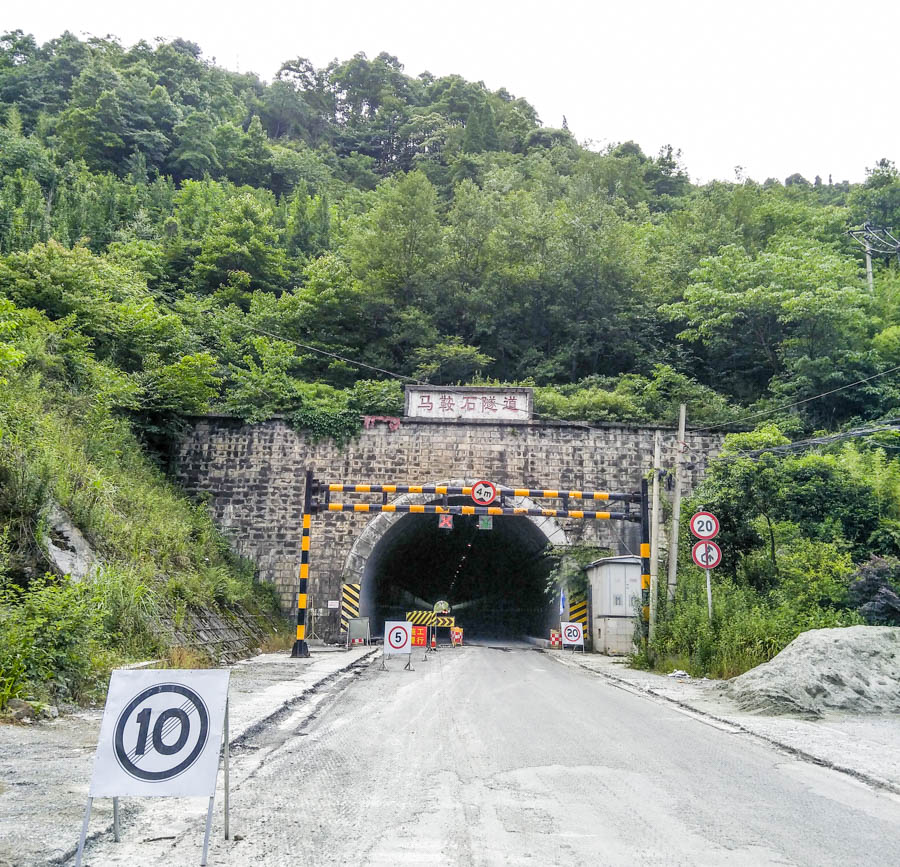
x=645, y=561
x=301, y=648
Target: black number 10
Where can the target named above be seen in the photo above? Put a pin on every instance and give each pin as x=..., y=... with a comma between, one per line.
x=143, y=720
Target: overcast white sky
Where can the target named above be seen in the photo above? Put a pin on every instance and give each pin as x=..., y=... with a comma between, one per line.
x=774, y=86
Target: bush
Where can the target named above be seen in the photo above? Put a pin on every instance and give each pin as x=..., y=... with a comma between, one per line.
x=48, y=635
x=749, y=627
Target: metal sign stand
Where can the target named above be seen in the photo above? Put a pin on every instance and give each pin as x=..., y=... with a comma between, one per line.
x=116, y=830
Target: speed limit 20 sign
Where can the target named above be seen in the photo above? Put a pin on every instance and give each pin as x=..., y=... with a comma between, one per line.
x=705, y=525
x=572, y=633
x=161, y=733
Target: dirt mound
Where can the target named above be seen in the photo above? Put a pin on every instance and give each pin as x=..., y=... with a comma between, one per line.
x=854, y=669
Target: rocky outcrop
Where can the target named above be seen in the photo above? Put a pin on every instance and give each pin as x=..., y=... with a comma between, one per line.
x=68, y=552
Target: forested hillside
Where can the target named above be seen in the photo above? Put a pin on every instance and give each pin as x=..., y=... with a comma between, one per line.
x=176, y=237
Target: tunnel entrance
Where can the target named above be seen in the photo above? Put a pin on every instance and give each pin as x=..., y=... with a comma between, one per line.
x=495, y=580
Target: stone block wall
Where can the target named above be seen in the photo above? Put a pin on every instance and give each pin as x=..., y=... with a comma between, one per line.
x=252, y=476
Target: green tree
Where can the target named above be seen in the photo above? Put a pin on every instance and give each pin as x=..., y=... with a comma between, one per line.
x=242, y=240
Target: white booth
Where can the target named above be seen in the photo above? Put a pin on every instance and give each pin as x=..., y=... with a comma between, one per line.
x=615, y=592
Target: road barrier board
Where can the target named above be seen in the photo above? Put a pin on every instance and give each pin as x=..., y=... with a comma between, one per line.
x=349, y=604
x=421, y=618
x=578, y=610
x=445, y=621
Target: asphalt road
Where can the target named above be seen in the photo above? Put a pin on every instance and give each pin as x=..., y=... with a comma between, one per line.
x=487, y=756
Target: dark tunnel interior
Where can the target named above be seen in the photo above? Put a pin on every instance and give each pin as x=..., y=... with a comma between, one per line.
x=494, y=579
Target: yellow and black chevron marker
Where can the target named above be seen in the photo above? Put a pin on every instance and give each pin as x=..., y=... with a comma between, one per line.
x=349, y=604
x=578, y=611
x=445, y=621
x=421, y=618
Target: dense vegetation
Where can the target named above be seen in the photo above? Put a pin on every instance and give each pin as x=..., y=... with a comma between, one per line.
x=176, y=237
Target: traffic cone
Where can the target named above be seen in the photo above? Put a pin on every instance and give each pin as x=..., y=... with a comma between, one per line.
x=433, y=640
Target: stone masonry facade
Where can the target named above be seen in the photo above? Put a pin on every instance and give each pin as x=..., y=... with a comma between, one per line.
x=252, y=477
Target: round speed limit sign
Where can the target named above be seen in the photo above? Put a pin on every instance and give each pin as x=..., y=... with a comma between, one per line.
x=707, y=555
x=161, y=732
x=705, y=525
x=397, y=637
x=572, y=633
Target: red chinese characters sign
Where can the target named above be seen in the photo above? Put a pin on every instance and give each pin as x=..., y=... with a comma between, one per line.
x=470, y=403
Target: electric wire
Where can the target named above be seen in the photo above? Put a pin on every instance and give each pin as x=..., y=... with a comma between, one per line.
x=797, y=402
x=542, y=416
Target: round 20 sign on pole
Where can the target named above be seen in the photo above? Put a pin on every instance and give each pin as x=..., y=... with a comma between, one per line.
x=705, y=553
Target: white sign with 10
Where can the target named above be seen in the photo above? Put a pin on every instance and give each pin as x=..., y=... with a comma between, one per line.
x=161, y=733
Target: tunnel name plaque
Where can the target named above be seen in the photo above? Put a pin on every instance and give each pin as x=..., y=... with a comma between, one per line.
x=468, y=403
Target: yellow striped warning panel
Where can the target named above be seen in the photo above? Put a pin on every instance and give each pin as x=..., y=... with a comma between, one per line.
x=421, y=618
x=578, y=611
x=349, y=604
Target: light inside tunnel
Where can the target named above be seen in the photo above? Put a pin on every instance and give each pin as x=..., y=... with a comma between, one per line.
x=494, y=579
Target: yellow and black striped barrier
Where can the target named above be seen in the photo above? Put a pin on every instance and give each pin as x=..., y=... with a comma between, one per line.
x=578, y=611
x=540, y=493
x=349, y=604
x=301, y=648
x=434, y=509
x=645, y=561
x=351, y=592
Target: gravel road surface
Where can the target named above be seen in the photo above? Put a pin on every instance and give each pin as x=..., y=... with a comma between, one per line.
x=489, y=755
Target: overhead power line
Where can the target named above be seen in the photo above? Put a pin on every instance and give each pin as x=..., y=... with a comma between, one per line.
x=797, y=402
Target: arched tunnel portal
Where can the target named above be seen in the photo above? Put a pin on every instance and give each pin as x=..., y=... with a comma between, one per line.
x=494, y=579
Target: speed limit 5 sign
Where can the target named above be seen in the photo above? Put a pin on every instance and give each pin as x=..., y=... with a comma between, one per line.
x=161, y=733
x=397, y=637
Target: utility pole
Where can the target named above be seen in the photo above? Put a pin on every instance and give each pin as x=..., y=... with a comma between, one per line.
x=654, y=534
x=875, y=239
x=676, y=506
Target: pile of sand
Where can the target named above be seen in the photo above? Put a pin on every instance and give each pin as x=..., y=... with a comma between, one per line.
x=855, y=669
